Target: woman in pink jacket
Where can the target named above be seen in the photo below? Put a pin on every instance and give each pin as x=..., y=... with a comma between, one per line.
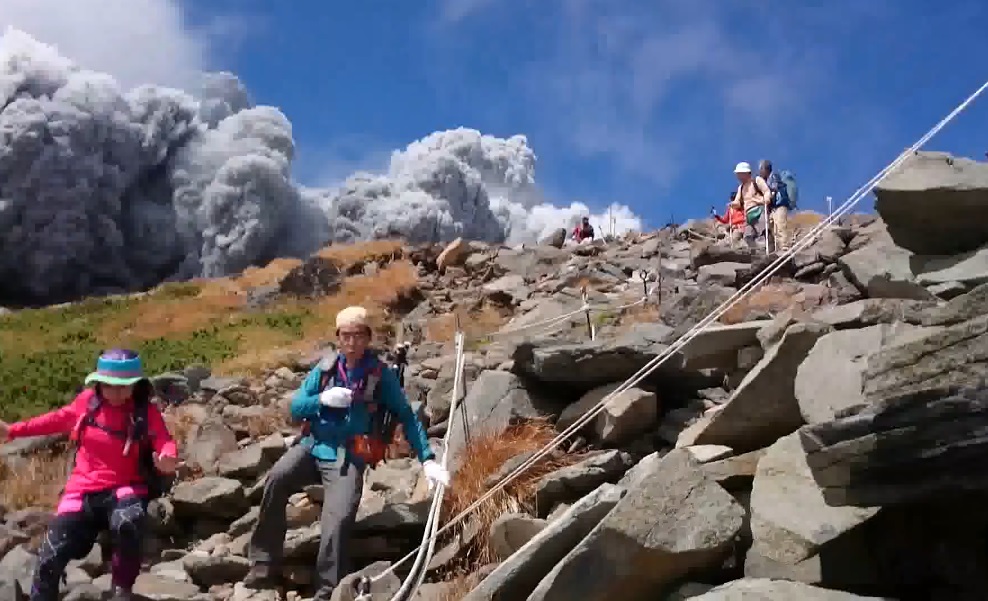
x=121, y=439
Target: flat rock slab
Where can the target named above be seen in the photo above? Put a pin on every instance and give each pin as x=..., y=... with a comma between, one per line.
x=831, y=378
x=764, y=407
x=792, y=526
x=935, y=203
x=518, y=575
x=763, y=589
x=955, y=355
x=674, y=520
x=923, y=445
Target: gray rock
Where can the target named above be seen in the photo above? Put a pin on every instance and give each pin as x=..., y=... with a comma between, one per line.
x=872, y=311
x=627, y=414
x=674, y=522
x=209, y=441
x=722, y=274
x=574, y=481
x=956, y=355
x=831, y=378
x=382, y=588
x=208, y=570
x=210, y=497
x=594, y=363
x=511, y=531
x=882, y=270
x=764, y=406
x=717, y=345
x=152, y=587
x=517, y=576
x=968, y=269
x=492, y=402
x=763, y=589
x=934, y=204
x=796, y=535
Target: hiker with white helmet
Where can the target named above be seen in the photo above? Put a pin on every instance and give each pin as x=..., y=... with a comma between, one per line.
x=122, y=447
x=755, y=197
x=349, y=404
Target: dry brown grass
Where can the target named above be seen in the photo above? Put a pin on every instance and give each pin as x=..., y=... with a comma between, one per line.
x=644, y=313
x=259, y=350
x=483, y=457
x=805, y=220
x=773, y=298
x=269, y=275
x=457, y=588
x=473, y=323
x=350, y=254
x=36, y=482
x=153, y=318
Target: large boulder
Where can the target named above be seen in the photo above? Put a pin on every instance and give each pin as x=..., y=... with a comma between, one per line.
x=796, y=535
x=764, y=589
x=763, y=407
x=591, y=364
x=955, y=355
x=922, y=445
x=492, y=403
x=673, y=521
x=518, y=575
x=831, y=378
x=936, y=204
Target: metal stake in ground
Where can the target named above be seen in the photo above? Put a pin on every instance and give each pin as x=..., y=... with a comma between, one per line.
x=586, y=303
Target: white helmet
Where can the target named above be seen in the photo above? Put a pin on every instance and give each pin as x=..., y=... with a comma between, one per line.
x=742, y=167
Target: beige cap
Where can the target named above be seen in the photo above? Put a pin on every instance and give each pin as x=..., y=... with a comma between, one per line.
x=352, y=316
x=742, y=167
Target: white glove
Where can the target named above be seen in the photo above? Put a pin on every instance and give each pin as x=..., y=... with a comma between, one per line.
x=336, y=397
x=435, y=474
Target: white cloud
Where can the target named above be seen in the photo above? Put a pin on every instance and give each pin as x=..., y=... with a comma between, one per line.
x=136, y=41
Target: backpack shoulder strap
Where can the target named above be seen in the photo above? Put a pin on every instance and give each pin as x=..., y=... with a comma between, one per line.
x=93, y=404
x=373, y=379
x=327, y=367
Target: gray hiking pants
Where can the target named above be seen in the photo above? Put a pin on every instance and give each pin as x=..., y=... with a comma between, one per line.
x=342, y=485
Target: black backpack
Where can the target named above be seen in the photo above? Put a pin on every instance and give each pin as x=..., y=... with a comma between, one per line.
x=157, y=484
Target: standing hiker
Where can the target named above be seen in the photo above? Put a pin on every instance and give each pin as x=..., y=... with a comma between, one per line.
x=122, y=447
x=755, y=197
x=784, y=193
x=346, y=403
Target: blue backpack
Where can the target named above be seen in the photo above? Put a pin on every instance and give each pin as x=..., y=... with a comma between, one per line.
x=788, y=193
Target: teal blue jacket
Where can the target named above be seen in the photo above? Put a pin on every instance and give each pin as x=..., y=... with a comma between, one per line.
x=331, y=428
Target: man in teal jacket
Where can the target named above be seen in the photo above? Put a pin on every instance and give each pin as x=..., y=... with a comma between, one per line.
x=341, y=401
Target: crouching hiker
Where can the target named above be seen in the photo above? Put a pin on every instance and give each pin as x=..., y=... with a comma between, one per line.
x=349, y=404
x=121, y=447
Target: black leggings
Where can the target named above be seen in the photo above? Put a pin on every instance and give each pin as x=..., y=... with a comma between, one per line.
x=71, y=536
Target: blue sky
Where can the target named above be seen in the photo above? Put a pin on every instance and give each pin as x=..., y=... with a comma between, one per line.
x=648, y=104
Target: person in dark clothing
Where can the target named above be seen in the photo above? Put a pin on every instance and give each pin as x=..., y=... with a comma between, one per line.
x=583, y=231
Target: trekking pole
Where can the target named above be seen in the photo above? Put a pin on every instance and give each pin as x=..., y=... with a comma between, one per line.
x=586, y=303
x=768, y=227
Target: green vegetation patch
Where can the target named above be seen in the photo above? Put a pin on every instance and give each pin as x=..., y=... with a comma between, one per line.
x=46, y=354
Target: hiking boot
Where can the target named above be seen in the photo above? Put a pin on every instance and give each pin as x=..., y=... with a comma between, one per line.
x=120, y=594
x=262, y=577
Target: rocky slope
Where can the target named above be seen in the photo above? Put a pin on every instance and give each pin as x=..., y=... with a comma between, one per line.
x=823, y=441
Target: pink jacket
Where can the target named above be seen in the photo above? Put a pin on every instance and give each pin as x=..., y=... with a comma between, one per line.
x=100, y=462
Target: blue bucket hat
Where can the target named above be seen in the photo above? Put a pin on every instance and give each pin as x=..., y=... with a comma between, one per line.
x=117, y=367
